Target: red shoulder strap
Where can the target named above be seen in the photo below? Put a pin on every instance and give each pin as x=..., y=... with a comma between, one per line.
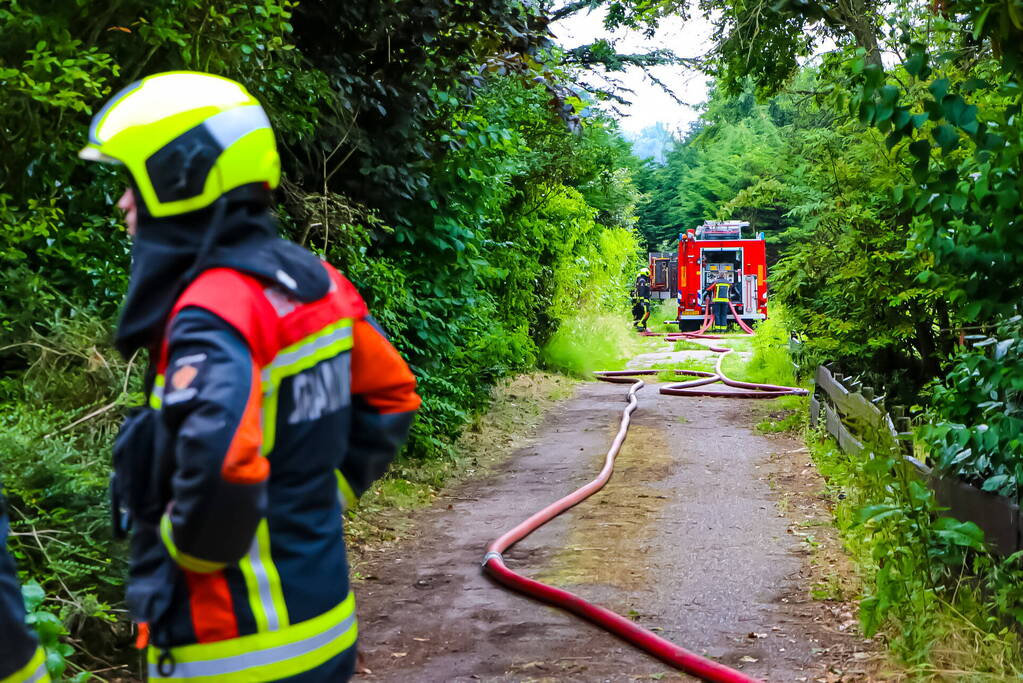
x=347, y=296
x=238, y=300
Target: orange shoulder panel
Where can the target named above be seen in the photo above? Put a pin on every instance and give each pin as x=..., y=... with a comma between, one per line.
x=379, y=375
x=244, y=463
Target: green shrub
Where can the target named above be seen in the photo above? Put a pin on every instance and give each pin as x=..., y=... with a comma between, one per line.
x=58, y=418
x=940, y=600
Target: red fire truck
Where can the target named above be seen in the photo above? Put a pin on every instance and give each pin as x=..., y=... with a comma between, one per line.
x=712, y=249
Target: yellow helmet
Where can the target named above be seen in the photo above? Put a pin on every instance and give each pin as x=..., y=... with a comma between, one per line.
x=186, y=138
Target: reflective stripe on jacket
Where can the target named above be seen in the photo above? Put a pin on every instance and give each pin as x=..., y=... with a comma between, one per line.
x=245, y=576
x=262, y=656
x=33, y=672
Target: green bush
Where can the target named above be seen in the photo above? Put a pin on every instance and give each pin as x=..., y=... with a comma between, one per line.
x=58, y=417
x=928, y=585
x=974, y=423
x=956, y=127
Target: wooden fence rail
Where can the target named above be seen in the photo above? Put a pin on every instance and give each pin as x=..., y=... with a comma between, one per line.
x=860, y=424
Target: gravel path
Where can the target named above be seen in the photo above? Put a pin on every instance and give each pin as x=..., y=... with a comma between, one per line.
x=688, y=538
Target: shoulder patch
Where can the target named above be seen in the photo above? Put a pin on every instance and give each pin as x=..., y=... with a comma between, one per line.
x=184, y=376
x=181, y=384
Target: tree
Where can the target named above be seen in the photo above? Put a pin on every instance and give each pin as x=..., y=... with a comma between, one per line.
x=763, y=40
x=652, y=142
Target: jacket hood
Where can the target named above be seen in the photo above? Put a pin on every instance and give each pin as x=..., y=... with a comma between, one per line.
x=168, y=254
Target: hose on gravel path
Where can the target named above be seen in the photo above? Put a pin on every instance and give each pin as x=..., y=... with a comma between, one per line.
x=493, y=561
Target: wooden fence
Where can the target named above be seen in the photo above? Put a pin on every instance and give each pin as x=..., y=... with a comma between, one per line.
x=859, y=422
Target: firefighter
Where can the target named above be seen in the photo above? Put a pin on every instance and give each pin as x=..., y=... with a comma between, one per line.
x=274, y=398
x=720, y=291
x=641, y=300
x=21, y=658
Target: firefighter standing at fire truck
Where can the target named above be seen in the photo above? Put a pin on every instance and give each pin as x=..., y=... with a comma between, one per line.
x=274, y=398
x=641, y=300
x=720, y=291
x=21, y=658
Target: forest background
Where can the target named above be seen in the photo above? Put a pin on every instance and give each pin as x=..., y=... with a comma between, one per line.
x=448, y=158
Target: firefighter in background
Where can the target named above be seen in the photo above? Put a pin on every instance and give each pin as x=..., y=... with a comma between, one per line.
x=720, y=291
x=641, y=300
x=274, y=398
x=21, y=658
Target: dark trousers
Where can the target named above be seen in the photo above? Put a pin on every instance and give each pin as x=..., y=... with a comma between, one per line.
x=640, y=314
x=720, y=314
x=17, y=644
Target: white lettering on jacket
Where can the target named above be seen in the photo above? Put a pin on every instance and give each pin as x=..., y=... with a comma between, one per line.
x=320, y=390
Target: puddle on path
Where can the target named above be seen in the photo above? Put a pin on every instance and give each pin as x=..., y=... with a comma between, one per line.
x=615, y=524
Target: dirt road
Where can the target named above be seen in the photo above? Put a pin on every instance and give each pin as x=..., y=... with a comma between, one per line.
x=688, y=538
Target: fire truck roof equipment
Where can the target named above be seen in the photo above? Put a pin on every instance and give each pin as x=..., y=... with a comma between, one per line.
x=721, y=230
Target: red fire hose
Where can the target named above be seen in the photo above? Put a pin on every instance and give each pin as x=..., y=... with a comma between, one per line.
x=493, y=561
x=742, y=323
x=701, y=333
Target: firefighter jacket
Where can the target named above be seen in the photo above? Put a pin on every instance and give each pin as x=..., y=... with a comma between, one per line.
x=21, y=658
x=641, y=290
x=721, y=292
x=268, y=415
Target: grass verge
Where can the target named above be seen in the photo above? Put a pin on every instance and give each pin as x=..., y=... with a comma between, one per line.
x=947, y=610
x=666, y=371
x=663, y=309
x=591, y=341
x=686, y=345
x=769, y=363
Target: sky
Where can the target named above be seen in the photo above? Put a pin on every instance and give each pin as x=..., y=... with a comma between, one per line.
x=650, y=103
